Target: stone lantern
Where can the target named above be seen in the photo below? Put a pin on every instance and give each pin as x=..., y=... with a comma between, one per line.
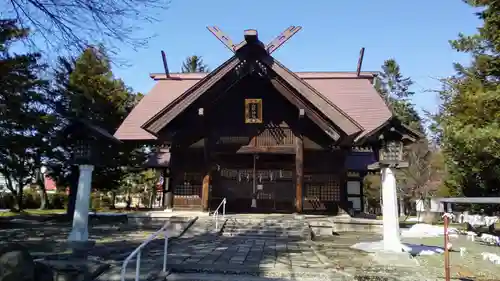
x=89, y=139
x=389, y=149
x=388, y=146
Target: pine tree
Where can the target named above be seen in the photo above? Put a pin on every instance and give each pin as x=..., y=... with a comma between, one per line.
x=468, y=123
x=24, y=115
x=194, y=64
x=86, y=89
x=395, y=89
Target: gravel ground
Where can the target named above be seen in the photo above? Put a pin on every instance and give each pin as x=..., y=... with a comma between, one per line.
x=366, y=266
x=471, y=265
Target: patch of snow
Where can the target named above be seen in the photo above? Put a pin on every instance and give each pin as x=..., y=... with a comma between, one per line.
x=421, y=230
x=411, y=249
x=494, y=258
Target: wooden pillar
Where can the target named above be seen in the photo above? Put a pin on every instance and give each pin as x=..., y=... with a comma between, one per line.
x=164, y=187
x=343, y=207
x=299, y=164
x=205, y=190
x=169, y=181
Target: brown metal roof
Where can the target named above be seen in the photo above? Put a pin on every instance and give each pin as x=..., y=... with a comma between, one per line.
x=353, y=95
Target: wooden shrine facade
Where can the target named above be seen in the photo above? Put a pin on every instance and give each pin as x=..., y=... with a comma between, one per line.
x=259, y=135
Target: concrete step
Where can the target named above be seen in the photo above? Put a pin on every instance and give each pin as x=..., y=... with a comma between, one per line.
x=262, y=228
x=267, y=277
x=263, y=235
x=149, y=268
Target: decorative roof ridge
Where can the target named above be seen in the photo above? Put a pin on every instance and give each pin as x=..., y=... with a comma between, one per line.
x=301, y=74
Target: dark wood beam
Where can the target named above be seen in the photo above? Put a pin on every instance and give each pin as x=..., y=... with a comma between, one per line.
x=282, y=38
x=167, y=114
x=334, y=114
x=299, y=167
x=205, y=187
x=360, y=61
x=168, y=198
x=323, y=124
x=222, y=37
x=268, y=149
x=251, y=36
x=165, y=64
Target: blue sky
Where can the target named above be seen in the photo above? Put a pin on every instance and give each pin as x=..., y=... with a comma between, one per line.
x=415, y=33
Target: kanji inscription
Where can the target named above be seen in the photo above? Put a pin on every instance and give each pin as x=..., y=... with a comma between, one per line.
x=253, y=111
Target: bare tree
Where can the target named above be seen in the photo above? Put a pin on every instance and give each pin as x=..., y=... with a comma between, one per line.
x=425, y=172
x=73, y=25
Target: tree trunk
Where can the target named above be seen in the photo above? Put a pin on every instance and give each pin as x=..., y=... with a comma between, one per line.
x=43, y=198
x=113, y=200
x=19, y=198
x=43, y=192
x=428, y=216
x=128, y=201
x=401, y=206
x=151, y=200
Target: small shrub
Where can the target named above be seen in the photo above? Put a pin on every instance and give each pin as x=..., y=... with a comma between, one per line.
x=95, y=201
x=6, y=201
x=31, y=199
x=58, y=200
x=106, y=202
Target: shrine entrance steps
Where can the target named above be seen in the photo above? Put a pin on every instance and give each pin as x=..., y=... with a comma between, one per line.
x=261, y=226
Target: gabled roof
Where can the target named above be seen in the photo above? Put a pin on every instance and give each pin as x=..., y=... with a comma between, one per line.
x=335, y=115
x=393, y=124
x=332, y=111
x=181, y=103
x=352, y=94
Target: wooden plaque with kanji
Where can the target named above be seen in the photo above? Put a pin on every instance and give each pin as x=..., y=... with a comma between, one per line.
x=253, y=111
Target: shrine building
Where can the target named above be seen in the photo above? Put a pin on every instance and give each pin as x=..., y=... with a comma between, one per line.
x=262, y=136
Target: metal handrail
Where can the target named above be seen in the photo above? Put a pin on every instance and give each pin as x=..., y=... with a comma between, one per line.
x=216, y=213
x=137, y=252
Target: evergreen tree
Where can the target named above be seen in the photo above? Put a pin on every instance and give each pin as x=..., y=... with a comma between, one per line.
x=395, y=89
x=86, y=89
x=467, y=125
x=24, y=118
x=418, y=181
x=194, y=64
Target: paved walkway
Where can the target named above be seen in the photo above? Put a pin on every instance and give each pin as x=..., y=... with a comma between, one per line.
x=242, y=254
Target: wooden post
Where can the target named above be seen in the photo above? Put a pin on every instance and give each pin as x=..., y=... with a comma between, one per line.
x=299, y=164
x=446, y=250
x=299, y=172
x=205, y=190
x=168, y=197
x=164, y=187
x=205, y=187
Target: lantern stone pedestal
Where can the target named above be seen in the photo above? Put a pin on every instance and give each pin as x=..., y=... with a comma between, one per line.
x=80, y=231
x=390, y=220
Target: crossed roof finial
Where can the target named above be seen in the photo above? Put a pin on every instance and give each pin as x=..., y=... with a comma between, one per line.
x=251, y=34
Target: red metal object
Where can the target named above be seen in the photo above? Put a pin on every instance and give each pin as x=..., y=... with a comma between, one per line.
x=446, y=252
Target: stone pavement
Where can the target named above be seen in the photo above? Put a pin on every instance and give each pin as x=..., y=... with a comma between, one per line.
x=242, y=254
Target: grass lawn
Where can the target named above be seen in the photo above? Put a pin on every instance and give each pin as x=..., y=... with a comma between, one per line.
x=38, y=212
x=32, y=212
